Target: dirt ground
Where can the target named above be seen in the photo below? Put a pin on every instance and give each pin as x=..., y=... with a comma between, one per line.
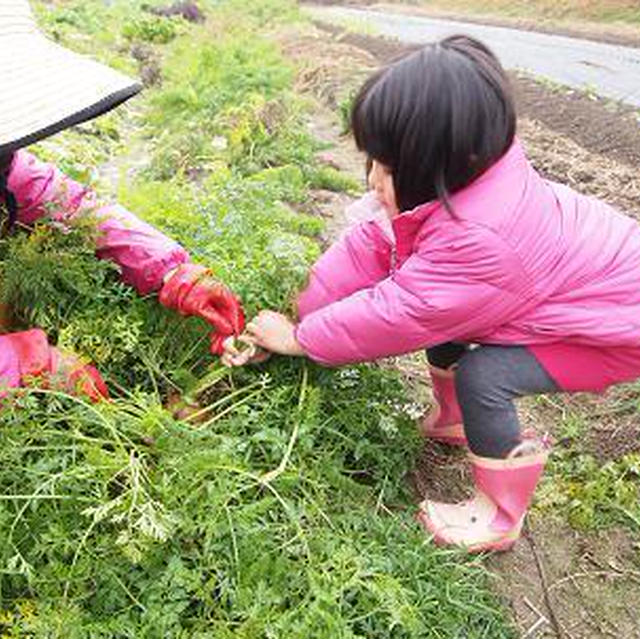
x=557, y=582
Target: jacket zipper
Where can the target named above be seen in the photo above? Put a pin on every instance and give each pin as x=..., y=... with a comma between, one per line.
x=393, y=262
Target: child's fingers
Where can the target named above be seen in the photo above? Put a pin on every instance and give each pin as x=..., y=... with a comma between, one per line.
x=229, y=345
x=230, y=352
x=234, y=356
x=231, y=361
x=253, y=331
x=226, y=359
x=260, y=356
x=247, y=348
x=243, y=358
x=245, y=338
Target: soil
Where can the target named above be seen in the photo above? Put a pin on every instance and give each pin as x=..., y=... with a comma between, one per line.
x=187, y=10
x=557, y=582
x=149, y=68
x=560, y=583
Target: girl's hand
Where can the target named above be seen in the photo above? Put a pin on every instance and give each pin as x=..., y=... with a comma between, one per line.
x=274, y=332
x=241, y=350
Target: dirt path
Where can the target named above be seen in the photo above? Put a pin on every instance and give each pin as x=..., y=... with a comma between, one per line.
x=557, y=582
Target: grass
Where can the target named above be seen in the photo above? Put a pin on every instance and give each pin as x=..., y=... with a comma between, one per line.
x=279, y=510
x=591, y=480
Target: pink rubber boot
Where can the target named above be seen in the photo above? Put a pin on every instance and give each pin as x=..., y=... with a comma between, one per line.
x=492, y=519
x=444, y=422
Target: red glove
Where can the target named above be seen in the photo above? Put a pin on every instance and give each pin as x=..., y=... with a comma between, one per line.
x=27, y=355
x=193, y=290
x=68, y=372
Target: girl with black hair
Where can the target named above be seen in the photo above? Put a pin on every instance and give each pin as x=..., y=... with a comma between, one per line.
x=515, y=285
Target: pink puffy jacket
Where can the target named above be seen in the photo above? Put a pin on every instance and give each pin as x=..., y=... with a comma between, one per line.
x=523, y=261
x=143, y=253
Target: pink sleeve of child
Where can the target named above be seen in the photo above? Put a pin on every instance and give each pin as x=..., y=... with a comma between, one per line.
x=443, y=294
x=358, y=260
x=143, y=253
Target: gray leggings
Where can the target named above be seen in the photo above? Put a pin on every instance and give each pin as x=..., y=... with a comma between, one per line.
x=488, y=379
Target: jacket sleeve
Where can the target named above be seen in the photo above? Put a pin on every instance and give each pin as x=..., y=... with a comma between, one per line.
x=143, y=253
x=358, y=260
x=447, y=290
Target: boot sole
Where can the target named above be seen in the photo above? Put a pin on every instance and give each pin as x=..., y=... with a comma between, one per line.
x=499, y=545
x=445, y=435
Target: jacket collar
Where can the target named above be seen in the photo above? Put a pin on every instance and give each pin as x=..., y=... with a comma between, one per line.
x=417, y=216
x=407, y=225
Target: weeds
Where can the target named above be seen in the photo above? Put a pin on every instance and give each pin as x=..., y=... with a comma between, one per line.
x=593, y=493
x=151, y=29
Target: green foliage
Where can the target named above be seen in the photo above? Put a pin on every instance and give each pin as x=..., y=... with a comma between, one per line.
x=90, y=27
x=152, y=29
x=204, y=76
x=240, y=227
x=279, y=508
x=344, y=107
x=67, y=21
x=264, y=14
x=140, y=526
x=226, y=99
x=592, y=494
x=326, y=177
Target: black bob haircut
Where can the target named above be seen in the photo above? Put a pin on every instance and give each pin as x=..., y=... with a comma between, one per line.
x=437, y=118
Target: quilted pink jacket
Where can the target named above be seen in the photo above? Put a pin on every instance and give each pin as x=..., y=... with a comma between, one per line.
x=524, y=261
x=143, y=253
